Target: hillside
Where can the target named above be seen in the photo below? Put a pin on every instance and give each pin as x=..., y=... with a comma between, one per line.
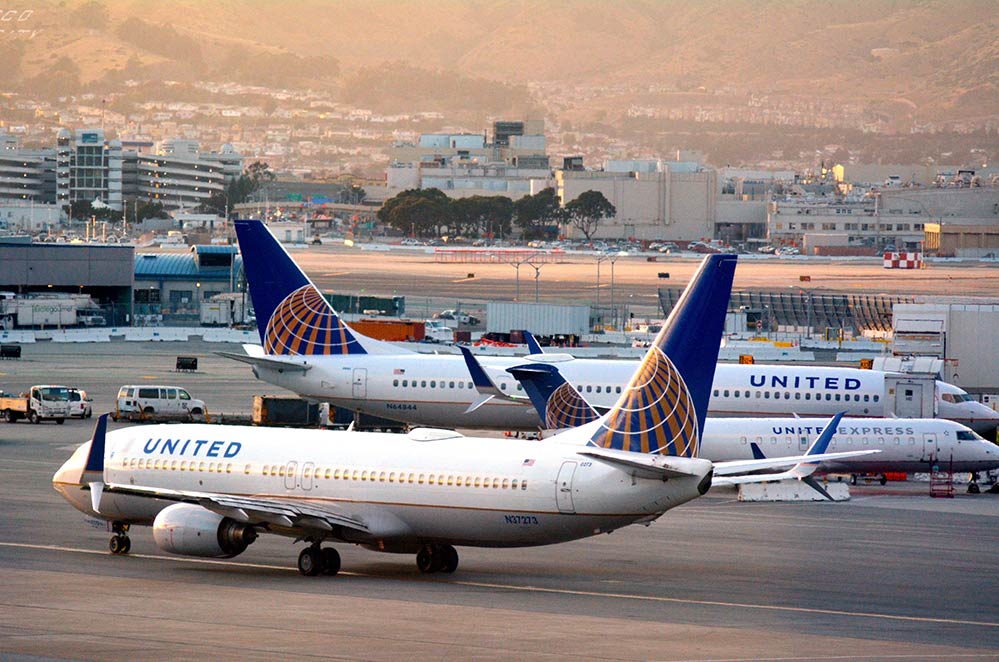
x=922, y=60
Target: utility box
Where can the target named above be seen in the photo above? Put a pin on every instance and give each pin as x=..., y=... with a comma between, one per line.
x=10, y=351
x=910, y=396
x=187, y=364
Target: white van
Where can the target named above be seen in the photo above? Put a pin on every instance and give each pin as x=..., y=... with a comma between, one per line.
x=151, y=401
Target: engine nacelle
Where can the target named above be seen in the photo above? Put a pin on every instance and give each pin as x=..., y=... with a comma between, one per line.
x=195, y=531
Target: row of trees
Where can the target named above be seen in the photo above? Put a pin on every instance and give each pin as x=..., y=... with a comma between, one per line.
x=430, y=213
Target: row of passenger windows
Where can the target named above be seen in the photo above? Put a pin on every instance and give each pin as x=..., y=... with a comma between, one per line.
x=450, y=480
x=433, y=383
x=863, y=441
x=327, y=473
x=777, y=395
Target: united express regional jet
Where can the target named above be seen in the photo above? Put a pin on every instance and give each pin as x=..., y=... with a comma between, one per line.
x=307, y=349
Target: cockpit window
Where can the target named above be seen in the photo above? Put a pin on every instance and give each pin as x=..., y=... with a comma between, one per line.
x=968, y=435
x=956, y=397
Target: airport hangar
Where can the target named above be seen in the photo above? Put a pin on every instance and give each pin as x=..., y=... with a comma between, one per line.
x=121, y=281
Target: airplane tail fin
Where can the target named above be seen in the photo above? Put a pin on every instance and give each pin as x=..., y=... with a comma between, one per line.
x=533, y=346
x=293, y=318
x=558, y=404
x=662, y=410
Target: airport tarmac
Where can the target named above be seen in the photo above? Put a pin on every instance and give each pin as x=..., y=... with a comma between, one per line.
x=892, y=573
x=415, y=273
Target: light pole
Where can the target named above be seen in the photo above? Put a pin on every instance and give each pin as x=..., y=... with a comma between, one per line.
x=612, y=259
x=537, y=277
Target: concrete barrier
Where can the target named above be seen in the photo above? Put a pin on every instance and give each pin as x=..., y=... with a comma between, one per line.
x=230, y=335
x=157, y=334
x=76, y=335
x=19, y=337
x=791, y=490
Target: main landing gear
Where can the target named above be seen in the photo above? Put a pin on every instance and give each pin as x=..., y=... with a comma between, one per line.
x=120, y=543
x=317, y=560
x=437, y=558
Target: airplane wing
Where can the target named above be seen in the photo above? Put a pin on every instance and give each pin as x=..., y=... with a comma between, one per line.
x=298, y=515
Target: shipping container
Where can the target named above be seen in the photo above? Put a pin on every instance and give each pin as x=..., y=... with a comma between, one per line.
x=280, y=410
x=539, y=319
x=393, y=330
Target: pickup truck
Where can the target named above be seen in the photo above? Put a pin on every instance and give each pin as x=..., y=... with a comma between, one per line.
x=40, y=403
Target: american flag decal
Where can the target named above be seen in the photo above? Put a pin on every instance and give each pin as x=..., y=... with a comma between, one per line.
x=399, y=371
x=529, y=463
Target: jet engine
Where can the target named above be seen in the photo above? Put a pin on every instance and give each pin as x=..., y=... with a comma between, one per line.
x=195, y=531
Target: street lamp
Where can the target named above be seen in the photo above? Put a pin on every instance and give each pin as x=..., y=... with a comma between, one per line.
x=612, y=259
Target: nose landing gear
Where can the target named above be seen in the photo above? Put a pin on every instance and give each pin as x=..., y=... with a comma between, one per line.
x=120, y=543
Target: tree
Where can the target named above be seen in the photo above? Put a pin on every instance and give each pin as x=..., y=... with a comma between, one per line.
x=148, y=209
x=480, y=215
x=537, y=214
x=238, y=190
x=417, y=211
x=586, y=212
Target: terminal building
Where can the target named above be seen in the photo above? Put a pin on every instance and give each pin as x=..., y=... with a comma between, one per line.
x=515, y=164
x=86, y=166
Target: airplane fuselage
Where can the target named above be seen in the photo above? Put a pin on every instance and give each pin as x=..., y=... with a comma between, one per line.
x=409, y=490
x=436, y=390
x=909, y=445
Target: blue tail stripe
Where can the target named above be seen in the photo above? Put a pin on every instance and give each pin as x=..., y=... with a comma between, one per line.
x=293, y=317
x=664, y=405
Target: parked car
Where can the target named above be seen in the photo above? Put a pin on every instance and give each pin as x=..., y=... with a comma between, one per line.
x=80, y=404
x=156, y=402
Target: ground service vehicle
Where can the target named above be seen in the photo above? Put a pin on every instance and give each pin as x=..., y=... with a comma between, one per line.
x=40, y=403
x=152, y=402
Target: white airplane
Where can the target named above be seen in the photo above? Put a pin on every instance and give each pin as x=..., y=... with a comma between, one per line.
x=906, y=445
x=307, y=349
x=212, y=490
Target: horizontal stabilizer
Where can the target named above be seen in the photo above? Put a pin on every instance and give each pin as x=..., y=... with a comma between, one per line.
x=647, y=465
x=268, y=362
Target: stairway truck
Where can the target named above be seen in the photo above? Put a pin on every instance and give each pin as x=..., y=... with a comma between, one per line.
x=41, y=403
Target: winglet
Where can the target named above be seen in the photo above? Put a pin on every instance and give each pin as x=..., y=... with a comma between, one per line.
x=822, y=443
x=533, y=346
x=479, y=377
x=94, y=469
x=484, y=385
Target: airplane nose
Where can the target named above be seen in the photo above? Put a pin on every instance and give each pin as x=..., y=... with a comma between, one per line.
x=72, y=469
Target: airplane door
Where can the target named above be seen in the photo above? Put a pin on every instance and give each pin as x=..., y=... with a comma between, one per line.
x=563, y=496
x=360, y=389
x=307, y=475
x=931, y=451
x=290, y=474
x=909, y=401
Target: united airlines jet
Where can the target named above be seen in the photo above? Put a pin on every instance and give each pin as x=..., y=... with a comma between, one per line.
x=212, y=490
x=307, y=349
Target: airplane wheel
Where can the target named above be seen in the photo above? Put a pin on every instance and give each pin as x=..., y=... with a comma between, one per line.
x=329, y=559
x=883, y=480
x=425, y=560
x=853, y=479
x=309, y=563
x=449, y=559
x=119, y=544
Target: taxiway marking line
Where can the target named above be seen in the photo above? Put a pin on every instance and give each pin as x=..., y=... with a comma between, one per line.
x=539, y=589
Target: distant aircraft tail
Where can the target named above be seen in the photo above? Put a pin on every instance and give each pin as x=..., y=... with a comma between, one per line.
x=293, y=318
x=558, y=404
x=662, y=409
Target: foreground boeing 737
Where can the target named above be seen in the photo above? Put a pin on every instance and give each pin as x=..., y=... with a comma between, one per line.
x=307, y=349
x=212, y=490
